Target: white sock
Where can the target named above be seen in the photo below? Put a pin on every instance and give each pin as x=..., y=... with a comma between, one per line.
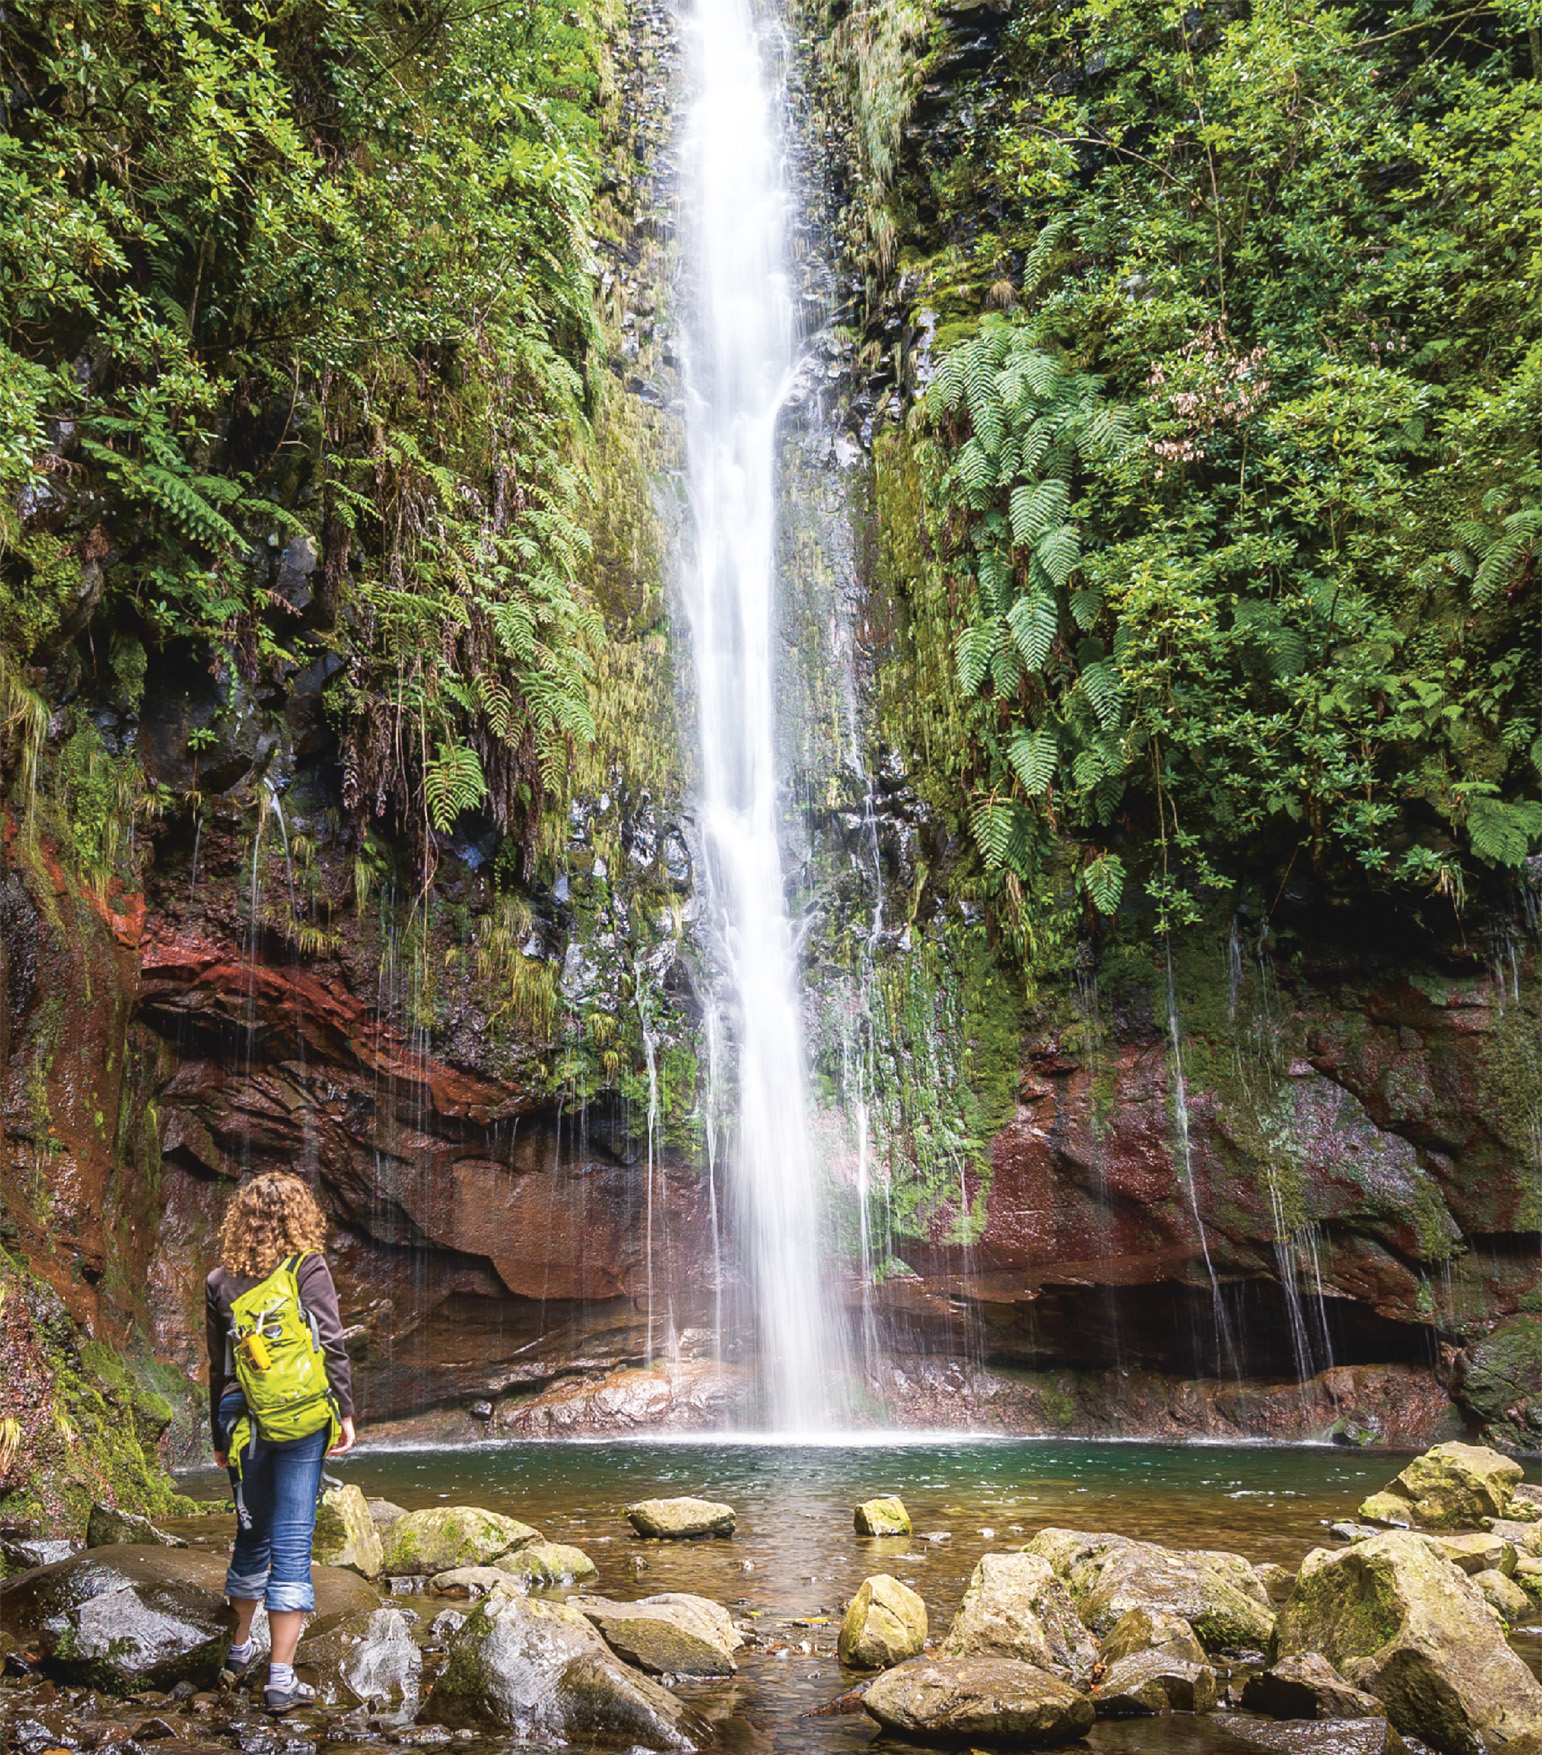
x=281, y=1676
x=242, y=1651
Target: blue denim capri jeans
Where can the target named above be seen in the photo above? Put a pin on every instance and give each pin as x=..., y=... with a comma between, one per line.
x=276, y=1513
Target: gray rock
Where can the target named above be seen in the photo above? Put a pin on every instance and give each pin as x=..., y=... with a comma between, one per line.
x=1153, y=1681
x=989, y=1699
x=22, y=1553
x=885, y=1624
x=673, y=1634
x=382, y=1512
x=533, y=1669
x=445, y=1625
x=1307, y=1686
x=682, y=1517
x=1402, y=1623
x=1015, y=1607
x=123, y=1619
x=386, y=1664
x=108, y=1527
x=1144, y=1630
x=1345, y=1736
x=423, y=1543
x=473, y=1581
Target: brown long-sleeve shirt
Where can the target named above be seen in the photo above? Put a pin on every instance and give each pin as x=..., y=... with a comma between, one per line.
x=317, y=1294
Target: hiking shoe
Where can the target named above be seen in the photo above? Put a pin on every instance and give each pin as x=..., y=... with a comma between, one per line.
x=278, y=1701
x=233, y=1669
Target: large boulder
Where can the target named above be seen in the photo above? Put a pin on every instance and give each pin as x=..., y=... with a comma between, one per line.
x=1452, y=1487
x=1015, y=1607
x=532, y=1669
x=993, y=1700
x=682, y=1517
x=673, y=1634
x=885, y=1624
x=541, y=1565
x=882, y=1517
x=385, y=1665
x=1151, y=1662
x=1217, y=1593
x=423, y=1543
x=107, y=1527
x=124, y=1619
x=1498, y=1380
x=1401, y=1622
x=1307, y=1686
x=345, y=1533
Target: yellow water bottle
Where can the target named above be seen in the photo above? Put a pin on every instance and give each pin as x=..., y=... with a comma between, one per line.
x=254, y=1349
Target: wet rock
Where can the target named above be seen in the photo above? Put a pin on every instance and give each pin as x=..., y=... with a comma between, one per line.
x=1307, y=1686
x=885, y=1624
x=423, y=1543
x=445, y=1625
x=1476, y=1553
x=1217, y=1593
x=673, y=1634
x=1503, y=1595
x=1346, y=1736
x=1143, y=1630
x=990, y=1699
x=882, y=1517
x=529, y=1669
x=472, y=1581
x=108, y=1527
x=386, y=1664
x=1498, y=1381
x=1451, y=1487
x=22, y=1553
x=1155, y=1681
x=1015, y=1607
x=682, y=1517
x=1397, y=1620
x=123, y=1619
x=541, y=1565
x=345, y=1533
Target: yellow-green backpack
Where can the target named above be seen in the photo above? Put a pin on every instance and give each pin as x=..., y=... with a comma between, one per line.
x=275, y=1351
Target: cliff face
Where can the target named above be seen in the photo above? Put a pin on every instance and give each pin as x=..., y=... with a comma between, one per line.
x=1279, y=1173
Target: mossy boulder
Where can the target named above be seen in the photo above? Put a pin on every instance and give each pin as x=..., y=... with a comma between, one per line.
x=672, y=1634
x=108, y=1527
x=540, y=1565
x=1398, y=1620
x=1503, y=1595
x=673, y=1518
x=1498, y=1382
x=1151, y=1662
x=1016, y=1607
x=882, y=1517
x=531, y=1669
x=1217, y=1593
x=989, y=1700
x=445, y=1537
x=1451, y=1487
x=345, y=1533
x=885, y=1624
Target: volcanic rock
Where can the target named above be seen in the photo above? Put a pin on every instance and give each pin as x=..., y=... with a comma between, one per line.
x=885, y=1624
x=1015, y=1607
x=1397, y=1620
x=446, y=1537
x=682, y=1517
x=989, y=1699
x=532, y=1669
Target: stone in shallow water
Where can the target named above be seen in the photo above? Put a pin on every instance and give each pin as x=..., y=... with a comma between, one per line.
x=532, y=1669
x=386, y=1664
x=884, y=1625
x=1451, y=1487
x=1015, y=1607
x=990, y=1699
x=670, y=1634
x=346, y=1534
x=541, y=1565
x=882, y=1517
x=422, y=1543
x=1152, y=1681
x=1345, y=1736
x=1398, y=1620
x=1307, y=1686
x=682, y=1517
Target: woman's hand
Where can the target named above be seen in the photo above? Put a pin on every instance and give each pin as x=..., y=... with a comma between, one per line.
x=345, y=1443
x=221, y=1460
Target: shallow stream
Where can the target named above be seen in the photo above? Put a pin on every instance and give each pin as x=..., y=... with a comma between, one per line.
x=795, y=1559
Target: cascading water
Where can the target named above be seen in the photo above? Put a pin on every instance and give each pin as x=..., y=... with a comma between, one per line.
x=740, y=358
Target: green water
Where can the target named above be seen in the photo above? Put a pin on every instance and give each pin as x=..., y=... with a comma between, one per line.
x=795, y=1559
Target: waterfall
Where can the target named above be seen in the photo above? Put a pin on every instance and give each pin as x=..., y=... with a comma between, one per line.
x=739, y=365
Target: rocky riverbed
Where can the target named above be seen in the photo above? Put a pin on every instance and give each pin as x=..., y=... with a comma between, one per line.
x=1405, y=1624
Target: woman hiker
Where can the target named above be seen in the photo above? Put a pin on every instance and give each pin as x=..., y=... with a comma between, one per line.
x=280, y=1400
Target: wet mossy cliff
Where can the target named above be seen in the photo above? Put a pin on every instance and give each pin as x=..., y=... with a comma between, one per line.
x=1165, y=1085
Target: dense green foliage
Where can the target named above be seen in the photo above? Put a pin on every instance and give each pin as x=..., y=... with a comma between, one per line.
x=1231, y=518
x=313, y=270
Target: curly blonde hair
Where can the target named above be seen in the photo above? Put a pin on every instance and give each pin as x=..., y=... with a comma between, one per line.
x=271, y=1216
